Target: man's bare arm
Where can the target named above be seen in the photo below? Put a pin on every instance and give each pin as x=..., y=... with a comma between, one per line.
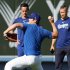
x=53, y=44
x=12, y=27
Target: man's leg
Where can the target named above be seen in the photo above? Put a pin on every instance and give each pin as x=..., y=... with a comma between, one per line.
x=22, y=62
x=68, y=56
x=19, y=62
x=37, y=65
x=59, y=56
x=20, y=52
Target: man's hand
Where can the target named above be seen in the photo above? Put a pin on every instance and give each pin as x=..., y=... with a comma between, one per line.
x=4, y=34
x=52, y=49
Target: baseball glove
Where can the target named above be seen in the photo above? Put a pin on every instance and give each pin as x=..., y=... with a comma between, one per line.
x=11, y=37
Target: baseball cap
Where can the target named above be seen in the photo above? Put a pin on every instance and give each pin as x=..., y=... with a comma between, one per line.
x=35, y=16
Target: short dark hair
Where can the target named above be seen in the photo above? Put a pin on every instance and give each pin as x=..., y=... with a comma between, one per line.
x=24, y=5
x=64, y=6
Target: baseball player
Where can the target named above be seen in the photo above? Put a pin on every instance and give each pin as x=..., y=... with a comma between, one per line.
x=34, y=35
x=20, y=33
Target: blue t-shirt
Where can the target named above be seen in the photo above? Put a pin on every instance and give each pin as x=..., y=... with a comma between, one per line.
x=20, y=33
x=63, y=27
x=33, y=37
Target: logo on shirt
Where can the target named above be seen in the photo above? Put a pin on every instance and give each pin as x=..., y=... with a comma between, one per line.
x=65, y=26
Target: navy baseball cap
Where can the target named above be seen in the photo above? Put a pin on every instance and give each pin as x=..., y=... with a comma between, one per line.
x=35, y=16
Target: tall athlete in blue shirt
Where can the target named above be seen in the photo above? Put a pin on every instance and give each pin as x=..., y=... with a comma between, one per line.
x=63, y=40
x=20, y=33
x=34, y=35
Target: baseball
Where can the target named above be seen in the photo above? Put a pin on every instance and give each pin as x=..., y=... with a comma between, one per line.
x=49, y=17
